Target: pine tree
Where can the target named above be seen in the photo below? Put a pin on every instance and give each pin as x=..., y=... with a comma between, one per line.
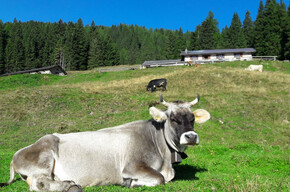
x=273, y=30
x=59, y=48
x=197, y=33
x=147, y=48
x=236, y=35
x=68, y=46
x=124, y=44
x=180, y=43
x=112, y=55
x=287, y=32
x=14, y=52
x=225, y=38
x=80, y=47
x=96, y=52
x=248, y=29
x=135, y=45
x=2, y=48
x=209, y=33
x=49, y=42
x=193, y=41
x=59, y=29
x=259, y=39
x=268, y=30
x=125, y=41
x=30, y=40
x=93, y=26
x=160, y=42
x=170, y=46
x=59, y=55
x=123, y=56
x=282, y=13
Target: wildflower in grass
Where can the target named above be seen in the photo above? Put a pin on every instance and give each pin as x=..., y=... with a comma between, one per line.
x=236, y=178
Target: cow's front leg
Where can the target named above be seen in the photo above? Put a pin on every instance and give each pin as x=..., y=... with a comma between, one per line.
x=153, y=88
x=168, y=173
x=137, y=175
x=45, y=183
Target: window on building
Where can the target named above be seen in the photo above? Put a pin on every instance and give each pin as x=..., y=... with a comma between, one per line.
x=238, y=55
x=220, y=56
x=206, y=57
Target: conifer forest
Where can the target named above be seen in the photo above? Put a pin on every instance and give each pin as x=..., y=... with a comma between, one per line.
x=34, y=44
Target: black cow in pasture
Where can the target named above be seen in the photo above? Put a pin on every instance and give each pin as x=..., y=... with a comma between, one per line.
x=157, y=83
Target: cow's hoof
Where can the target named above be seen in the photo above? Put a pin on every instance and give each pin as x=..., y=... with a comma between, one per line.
x=75, y=188
x=127, y=182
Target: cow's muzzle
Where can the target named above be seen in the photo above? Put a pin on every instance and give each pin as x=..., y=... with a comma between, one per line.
x=189, y=138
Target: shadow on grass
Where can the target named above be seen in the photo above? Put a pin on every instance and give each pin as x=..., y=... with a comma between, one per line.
x=187, y=172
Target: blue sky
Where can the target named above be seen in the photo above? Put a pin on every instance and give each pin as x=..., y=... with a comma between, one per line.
x=167, y=14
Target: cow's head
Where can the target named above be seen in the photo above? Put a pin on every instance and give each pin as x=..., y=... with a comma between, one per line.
x=179, y=122
x=148, y=88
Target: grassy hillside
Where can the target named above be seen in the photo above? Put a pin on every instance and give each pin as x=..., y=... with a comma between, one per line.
x=244, y=147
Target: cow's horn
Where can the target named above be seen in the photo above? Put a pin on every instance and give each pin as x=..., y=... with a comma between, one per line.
x=195, y=101
x=163, y=102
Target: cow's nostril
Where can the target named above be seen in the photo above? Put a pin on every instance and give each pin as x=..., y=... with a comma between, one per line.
x=189, y=136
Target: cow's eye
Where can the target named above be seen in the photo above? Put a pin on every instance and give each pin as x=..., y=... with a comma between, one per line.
x=175, y=120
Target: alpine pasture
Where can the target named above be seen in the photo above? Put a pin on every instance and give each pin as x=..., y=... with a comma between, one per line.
x=243, y=147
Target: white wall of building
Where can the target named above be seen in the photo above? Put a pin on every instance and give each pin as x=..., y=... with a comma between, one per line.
x=226, y=57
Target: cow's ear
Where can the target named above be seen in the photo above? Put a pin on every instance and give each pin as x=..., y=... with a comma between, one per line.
x=201, y=115
x=157, y=114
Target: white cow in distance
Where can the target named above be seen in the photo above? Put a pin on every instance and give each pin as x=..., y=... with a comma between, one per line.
x=255, y=68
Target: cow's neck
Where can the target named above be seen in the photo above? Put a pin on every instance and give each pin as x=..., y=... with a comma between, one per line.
x=171, y=141
x=177, y=151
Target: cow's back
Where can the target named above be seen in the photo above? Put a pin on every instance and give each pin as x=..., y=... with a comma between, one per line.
x=99, y=157
x=85, y=157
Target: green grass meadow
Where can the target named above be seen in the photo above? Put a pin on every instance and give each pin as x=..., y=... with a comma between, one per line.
x=243, y=147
